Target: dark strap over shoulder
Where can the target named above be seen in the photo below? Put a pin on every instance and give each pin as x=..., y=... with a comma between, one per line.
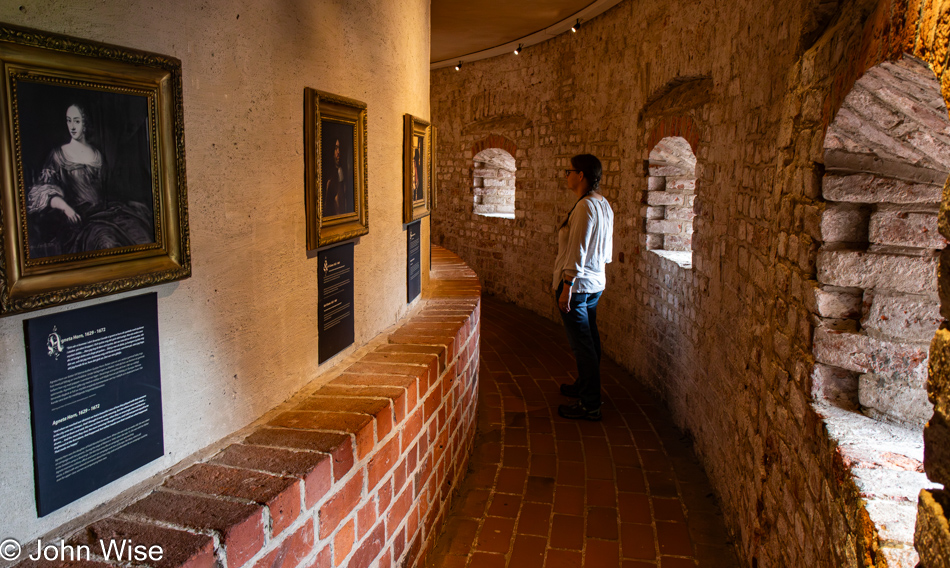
x=568, y=218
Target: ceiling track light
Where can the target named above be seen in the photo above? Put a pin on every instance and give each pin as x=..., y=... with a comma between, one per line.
x=576, y=26
x=459, y=66
x=518, y=50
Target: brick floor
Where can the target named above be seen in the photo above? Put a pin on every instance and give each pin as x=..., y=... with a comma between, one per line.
x=546, y=492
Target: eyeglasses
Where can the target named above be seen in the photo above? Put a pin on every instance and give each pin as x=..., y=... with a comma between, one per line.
x=567, y=172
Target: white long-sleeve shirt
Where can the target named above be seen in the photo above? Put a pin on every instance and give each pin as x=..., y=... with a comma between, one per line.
x=585, y=245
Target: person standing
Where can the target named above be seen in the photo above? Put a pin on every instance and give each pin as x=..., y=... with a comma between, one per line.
x=585, y=245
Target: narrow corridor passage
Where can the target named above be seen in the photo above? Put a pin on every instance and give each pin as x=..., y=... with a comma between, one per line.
x=546, y=492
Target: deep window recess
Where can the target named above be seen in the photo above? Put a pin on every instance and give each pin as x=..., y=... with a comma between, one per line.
x=887, y=154
x=494, y=183
x=886, y=158
x=671, y=190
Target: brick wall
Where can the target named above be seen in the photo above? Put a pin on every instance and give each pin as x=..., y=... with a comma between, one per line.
x=358, y=473
x=729, y=342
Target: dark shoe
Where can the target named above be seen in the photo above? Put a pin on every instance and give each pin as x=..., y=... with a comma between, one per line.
x=573, y=391
x=578, y=411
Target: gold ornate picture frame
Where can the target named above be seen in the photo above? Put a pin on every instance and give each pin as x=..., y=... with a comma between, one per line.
x=93, y=198
x=433, y=161
x=335, y=191
x=416, y=170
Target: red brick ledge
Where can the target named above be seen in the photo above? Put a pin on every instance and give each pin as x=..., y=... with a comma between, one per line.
x=358, y=474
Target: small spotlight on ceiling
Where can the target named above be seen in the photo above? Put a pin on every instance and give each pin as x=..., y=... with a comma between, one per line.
x=518, y=50
x=576, y=26
x=459, y=66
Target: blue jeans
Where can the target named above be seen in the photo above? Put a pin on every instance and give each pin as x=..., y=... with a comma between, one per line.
x=581, y=326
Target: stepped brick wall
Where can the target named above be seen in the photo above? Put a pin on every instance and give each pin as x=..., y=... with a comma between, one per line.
x=358, y=473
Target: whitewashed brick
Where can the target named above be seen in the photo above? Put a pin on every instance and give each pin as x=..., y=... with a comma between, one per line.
x=894, y=519
x=652, y=213
x=654, y=242
x=847, y=268
x=834, y=302
x=893, y=226
x=680, y=213
x=900, y=556
x=678, y=242
x=897, y=397
x=863, y=101
x=836, y=385
x=666, y=171
x=668, y=227
x=867, y=188
x=844, y=222
x=901, y=317
x=493, y=173
x=665, y=198
x=844, y=162
x=684, y=185
x=858, y=352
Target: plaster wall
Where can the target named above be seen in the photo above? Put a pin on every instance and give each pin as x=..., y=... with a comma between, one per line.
x=727, y=342
x=240, y=335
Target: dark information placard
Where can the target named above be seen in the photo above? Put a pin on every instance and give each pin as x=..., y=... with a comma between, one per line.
x=335, y=311
x=95, y=395
x=413, y=260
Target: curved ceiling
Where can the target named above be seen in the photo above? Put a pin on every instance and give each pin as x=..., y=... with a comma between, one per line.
x=466, y=30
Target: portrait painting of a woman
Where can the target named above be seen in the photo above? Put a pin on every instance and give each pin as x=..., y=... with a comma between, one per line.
x=77, y=201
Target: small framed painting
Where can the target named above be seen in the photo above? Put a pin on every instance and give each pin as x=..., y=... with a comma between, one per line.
x=433, y=149
x=416, y=174
x=335, y=168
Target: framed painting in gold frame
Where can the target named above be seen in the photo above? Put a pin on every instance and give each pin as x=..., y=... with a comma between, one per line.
x=93, y=199
x=433, y=159
x=416, y=171
x=335, y=193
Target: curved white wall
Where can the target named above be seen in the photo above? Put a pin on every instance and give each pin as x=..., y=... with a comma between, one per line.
x=240, y=336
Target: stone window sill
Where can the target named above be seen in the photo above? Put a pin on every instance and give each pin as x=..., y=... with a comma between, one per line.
x=499, y=215
x=885, y=462
x=683, y=258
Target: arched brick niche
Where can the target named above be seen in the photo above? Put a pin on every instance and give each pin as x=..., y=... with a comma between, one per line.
x=673, y=136
x=493, y=177
x=671, y=191
x=493, y=183
x=887, y=155
x=886, y=159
